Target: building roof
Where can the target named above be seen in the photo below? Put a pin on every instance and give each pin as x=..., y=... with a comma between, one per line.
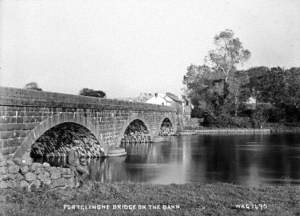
x=173, y=97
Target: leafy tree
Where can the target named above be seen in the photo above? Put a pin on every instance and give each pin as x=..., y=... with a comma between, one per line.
x=235, y=94
x=204, y=87
x=33, y=86
x=271, y=87
x=218, y=84
x=293, y=87
x=278, y=87
x=92, y=93
x=228, y=53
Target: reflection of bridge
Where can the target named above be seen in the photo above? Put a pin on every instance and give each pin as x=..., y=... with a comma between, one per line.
x=26, y=115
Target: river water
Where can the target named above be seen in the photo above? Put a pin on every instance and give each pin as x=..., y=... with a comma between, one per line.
x=239, y=159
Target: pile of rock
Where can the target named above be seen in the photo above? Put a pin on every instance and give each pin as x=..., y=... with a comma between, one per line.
x=166, y=131
x=30, y=175
x=87, y=151
x=135, y=137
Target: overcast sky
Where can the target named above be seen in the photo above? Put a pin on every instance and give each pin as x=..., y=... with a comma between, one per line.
x=125, y=47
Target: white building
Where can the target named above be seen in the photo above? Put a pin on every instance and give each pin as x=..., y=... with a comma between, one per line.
x=160, y=99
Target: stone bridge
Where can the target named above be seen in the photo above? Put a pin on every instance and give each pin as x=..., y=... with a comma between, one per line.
x=25, y=115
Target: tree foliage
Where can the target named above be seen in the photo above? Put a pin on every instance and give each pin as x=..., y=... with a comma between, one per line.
x=204, y=87
x=228, y=53
x=218, y=90
x=92, y=93
x=278, y=87
x=217, y=83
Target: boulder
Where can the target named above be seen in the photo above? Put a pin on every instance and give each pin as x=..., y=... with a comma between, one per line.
x=24, y=184
x=71, y=182
x=3, y=170
x=46, y=164
x=10, y=162
x=35, y=166
x=11, y=176
x=12, y=184
x=67, y=176
x=24, y=169
x=55, y=174
x=51, y=169
x=59, y=183
x=4, y=177
x=39, y=170
x=35, y=185
x=2, y=158
x=43, y=176
x=3, y=163
x=19, y=177
x=46, y=181
x=3, y=185
x=67, y=171
x=30, y=176
x=13, y=168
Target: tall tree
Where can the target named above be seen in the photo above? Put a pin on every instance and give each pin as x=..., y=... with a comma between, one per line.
x=229, y=52
x=218, y=83
x=204, y=87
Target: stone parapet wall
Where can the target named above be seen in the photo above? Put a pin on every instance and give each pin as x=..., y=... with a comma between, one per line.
x=30, y=176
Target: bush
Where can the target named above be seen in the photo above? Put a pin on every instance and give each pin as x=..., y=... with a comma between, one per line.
x=33, y=86
x=260, y=117
x=92, y=93
x=227, y=121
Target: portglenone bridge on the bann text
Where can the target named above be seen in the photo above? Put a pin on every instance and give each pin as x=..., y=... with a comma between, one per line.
x=26, y=115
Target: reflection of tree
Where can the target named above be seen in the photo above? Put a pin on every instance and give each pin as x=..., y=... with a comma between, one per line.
x=98, y=169
x=280, y=158
x=221, y=158
x=138, y=152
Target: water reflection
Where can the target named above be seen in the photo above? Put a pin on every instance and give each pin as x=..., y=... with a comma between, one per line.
x=246, y=160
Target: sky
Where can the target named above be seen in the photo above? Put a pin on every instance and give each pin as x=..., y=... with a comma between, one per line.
x=125, y=47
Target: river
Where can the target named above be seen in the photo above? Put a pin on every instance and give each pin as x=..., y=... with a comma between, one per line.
x=239, y=159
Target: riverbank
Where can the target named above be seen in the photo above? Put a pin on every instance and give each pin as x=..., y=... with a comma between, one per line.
x=224, y=131
x=187, y=199
x=239, y=131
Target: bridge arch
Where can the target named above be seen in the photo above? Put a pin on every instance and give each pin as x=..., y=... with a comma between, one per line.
x=51, y=122
x=166, y=126
x=166, y=121
x=128, y=122
x=167, y=118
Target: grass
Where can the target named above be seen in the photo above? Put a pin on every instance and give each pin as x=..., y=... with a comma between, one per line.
x=193, y=199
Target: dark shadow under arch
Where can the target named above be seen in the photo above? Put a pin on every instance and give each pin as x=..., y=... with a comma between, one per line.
x=23, y=151
x=135, y=132
x=136, y=125
x=166, y=123
x=166, y=127
x=61, y=138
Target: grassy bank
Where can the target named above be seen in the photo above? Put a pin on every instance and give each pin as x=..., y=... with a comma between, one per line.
x=187, y=199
